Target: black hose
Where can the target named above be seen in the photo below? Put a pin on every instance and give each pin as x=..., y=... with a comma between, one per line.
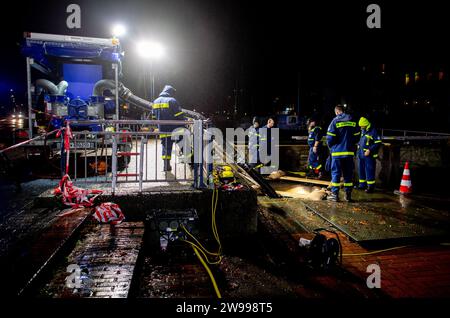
x=127, y=95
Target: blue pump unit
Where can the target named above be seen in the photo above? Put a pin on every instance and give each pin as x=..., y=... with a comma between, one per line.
x=77, y=109
x=57, y=106
x=81, y=62
x=44, y=48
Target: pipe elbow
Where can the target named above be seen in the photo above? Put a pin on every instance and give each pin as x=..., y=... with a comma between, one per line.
x=62, y=87
x=47, y=85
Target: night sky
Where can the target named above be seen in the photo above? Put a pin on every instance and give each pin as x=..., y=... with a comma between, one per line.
x=262, y=48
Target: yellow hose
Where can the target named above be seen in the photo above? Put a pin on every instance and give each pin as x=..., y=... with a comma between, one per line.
x=388, y=249
x=211, y=276
x=200, y=250
x=213, y=219
x=219, y=257
x=376, y=252
x=197, y=244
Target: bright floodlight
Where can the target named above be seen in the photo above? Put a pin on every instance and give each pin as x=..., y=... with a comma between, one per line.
x=118, y=30
x=150, y=50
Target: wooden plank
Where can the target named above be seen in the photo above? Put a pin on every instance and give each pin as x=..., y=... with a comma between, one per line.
x=305, y=180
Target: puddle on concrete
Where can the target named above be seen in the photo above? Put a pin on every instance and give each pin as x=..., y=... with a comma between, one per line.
x=297, y=190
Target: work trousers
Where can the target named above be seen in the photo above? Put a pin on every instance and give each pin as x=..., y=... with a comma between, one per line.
x=366, y=169
x=342, y=167
x=314, y=159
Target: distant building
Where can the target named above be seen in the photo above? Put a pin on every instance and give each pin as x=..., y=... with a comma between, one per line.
x=406, y=96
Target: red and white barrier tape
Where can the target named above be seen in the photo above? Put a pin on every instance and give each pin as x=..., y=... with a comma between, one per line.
x=71, y=195
x=108, y=212
x=74, y=196
x=77, y=197
x=67, y=136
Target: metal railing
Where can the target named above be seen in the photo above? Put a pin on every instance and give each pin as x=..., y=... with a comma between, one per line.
x=131, y=154
x=397, y=134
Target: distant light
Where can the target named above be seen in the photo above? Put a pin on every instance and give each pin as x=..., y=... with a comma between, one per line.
x=345, y=105
x=118, y=30
x=150, y=50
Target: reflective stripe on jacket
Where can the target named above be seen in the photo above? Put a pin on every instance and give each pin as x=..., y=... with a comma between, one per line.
x=315, y=135
x=342, y=136
x=166, y=107
x=370, y=140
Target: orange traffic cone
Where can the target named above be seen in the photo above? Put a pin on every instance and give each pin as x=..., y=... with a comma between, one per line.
x=405, y=185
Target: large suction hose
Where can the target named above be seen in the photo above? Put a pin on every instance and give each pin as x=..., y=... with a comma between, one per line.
x=127, y=95
x=193, y=114
x=102, y=85
x=62, y=87
x=124, y=93
x=51, y=88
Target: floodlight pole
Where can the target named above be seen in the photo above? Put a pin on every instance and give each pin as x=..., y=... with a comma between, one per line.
x=152, y=78
x=30, y=112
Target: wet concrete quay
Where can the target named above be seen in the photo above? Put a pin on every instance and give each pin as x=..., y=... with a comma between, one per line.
x=260, y=238
x=371, y=217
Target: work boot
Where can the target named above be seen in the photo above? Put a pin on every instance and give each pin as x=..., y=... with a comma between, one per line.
x=167, y=166
x=334, y=197
x=348, y=197
x=369, y=190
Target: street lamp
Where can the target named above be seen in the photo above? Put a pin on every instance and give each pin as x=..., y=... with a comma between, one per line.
x=150, y=51
x=118, y=30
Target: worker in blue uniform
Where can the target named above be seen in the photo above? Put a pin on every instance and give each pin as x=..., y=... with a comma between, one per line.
x=342, y=138
x=368, y=147
x=253, y=143
x=266, y=140
x=315, y=148
x=166, y=107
